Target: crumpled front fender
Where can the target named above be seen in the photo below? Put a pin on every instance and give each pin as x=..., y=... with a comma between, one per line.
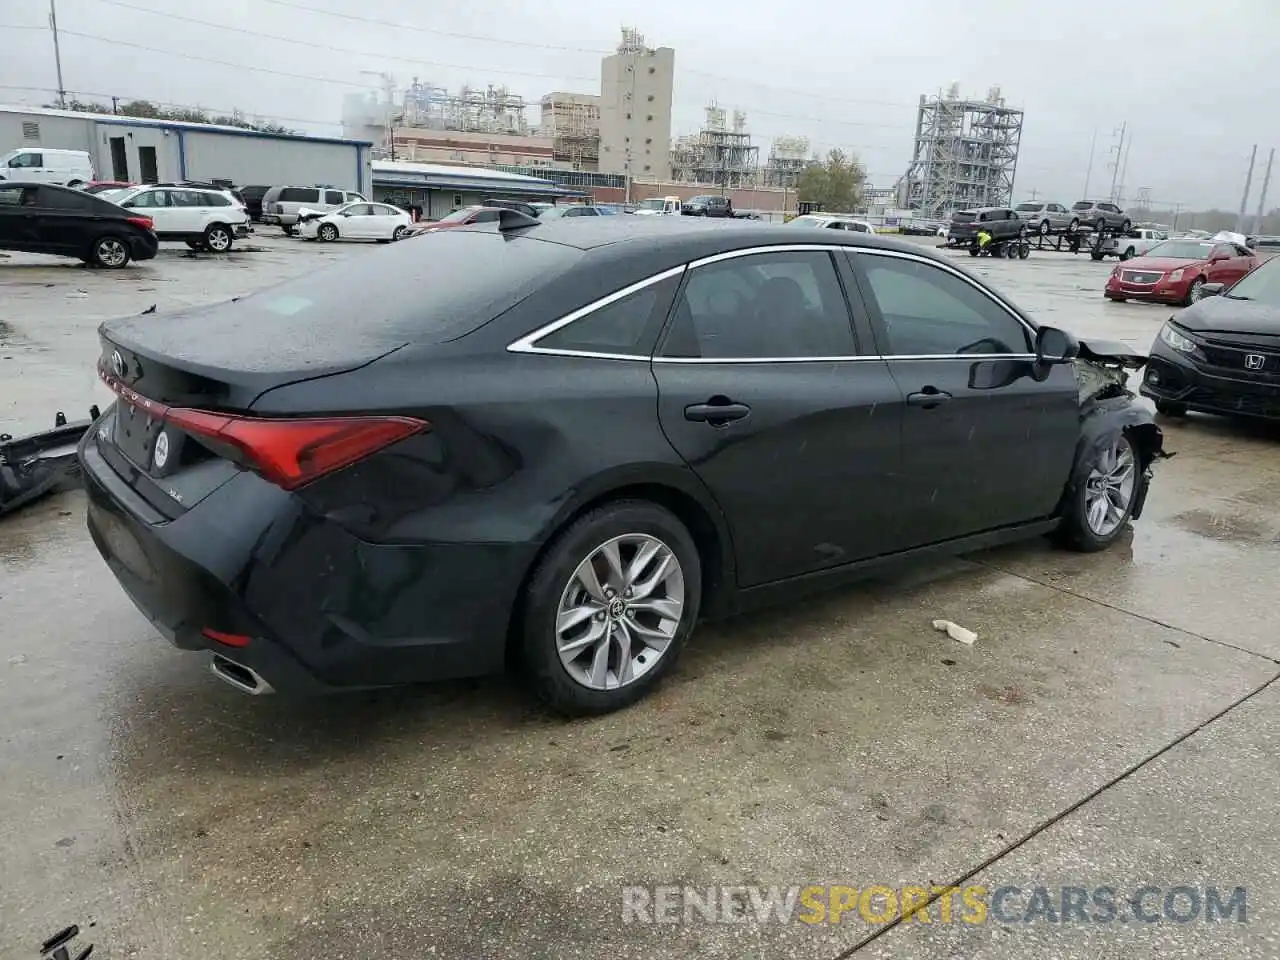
x=1100, y=423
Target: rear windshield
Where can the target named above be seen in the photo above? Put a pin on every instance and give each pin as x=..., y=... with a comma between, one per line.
x=299, y=195
x=1082, y=205
x=1029, y=207
x=429, y=289
x=964, y=216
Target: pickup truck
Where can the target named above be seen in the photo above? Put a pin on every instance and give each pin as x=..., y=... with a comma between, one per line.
x=1136, y=243
x=1001, y=222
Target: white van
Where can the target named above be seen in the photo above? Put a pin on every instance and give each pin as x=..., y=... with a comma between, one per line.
x=69, y=168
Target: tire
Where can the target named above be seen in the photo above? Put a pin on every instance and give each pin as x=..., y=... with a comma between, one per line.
x=1022, y=232
x=1193, y=291
x=1096, y=256
x=327, y=232
x=1167, y=409
x=74, y=184
x=1044, y=228
x=1100, y=224
x=109, y=252
x=1129, y=252
x=399, y=233
x=1097, y=513
x=1116, y=299
x=218, y=238
x=290, y=231
x=1074, y=225
x=1124, y=227
x=567, y=688
x=973, y=251
x=1024, y=251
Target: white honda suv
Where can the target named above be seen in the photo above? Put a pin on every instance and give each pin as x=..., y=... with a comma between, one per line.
x=205, y=218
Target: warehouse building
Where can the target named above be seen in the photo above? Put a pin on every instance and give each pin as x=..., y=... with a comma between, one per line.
x=141, y=150
x=437, y=190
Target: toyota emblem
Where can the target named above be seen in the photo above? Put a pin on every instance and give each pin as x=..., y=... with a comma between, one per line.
x=117, y=363
x=1254, y=361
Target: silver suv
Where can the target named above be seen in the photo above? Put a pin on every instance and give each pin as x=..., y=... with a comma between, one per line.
x=280, y=205
x=1101, y=215
x=1044, y=218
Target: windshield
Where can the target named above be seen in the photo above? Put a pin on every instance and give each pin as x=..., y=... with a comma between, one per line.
x=1029, y=207
x=459, y=216
x=655, y=204
x=1181, y=250
x=1263, y=285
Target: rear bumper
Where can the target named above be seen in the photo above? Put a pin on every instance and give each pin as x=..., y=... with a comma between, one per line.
x=1170, y=378
x=144, y=247
x=323, y=610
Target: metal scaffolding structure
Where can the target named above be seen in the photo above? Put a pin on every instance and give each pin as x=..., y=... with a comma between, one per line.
x=788, y=156
x=966, y=154
x=572, y=121
x=717, y=154
x=424, y=105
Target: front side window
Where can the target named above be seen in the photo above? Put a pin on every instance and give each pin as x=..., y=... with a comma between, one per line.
x=26, y=161
x=928, y=311
x=786, y=305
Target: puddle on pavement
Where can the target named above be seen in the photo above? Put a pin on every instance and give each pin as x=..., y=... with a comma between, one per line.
x=1225, y=527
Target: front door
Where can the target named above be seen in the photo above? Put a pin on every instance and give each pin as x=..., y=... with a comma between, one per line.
x=763, y=392
x=1235, y=263
x=19, y=223
x=985, y=444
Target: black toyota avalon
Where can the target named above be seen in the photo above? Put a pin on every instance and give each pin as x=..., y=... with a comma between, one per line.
x=555, y=446
x=1222, y=354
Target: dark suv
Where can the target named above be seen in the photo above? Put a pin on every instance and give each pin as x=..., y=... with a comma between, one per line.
x=707, y=207
x=1001, y=222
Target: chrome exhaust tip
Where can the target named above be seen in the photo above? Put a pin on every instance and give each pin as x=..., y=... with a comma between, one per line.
x=239, y=676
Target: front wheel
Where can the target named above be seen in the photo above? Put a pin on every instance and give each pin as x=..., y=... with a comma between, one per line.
x=218, y=238
x=1195, y=292
x=327, y=232
x=609, y=607
x=1169, y=409
x=110, y=252
x=1097, y=512
x=1074, y=225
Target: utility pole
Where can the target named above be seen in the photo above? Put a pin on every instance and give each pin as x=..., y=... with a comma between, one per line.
x=1177, y=212
x=1248, y=182
x=1118, y=150
x=57, y=54
x=1262, y=199
x=1124, y=172
x=1088, y=174
x=1034, y=193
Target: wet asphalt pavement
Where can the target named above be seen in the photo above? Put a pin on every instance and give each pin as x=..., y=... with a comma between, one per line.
x=1115, y=725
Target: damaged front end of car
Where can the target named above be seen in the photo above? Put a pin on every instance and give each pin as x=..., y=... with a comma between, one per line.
x=1108, y=407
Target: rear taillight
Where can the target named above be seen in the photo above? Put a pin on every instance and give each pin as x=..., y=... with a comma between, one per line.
x=293, y=452
x=146, y=223
x=289, y=452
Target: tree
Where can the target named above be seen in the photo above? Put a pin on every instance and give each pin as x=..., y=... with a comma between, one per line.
x=835, y=184
x=145, y=108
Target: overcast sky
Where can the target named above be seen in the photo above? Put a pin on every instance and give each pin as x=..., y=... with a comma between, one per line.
x=1196, y=80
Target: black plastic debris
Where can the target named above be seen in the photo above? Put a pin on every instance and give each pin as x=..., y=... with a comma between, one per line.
x=57, y=947
x=35, y=465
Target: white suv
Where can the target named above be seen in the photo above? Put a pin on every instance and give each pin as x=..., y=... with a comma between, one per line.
x=204, y=217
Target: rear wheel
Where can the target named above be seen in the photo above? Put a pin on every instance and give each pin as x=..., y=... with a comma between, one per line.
x=218, y=238
x=1074, y=225
x=399, y=233
x=327, y=232
x=1128, y=252
x=1168, y=409
x=111, y=252
x=1044, y=228
x=609, y=607
x=1124, y=227
x=1100, y=224
x=1096, y=514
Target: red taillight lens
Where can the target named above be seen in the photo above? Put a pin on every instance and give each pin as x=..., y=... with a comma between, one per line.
x=227, y=639
x=291, y=453
x=146, y=223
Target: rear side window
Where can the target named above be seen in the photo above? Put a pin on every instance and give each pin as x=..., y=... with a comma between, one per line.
x=485, y=216
x=762, y=306
x=625, y=327
x=299, y=195
x=216, y=200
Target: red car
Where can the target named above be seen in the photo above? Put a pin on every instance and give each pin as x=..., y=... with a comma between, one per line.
x=1176, y=271
x=459, y=218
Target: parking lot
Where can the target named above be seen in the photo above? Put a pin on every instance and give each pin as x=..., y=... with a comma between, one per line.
x=1114, y=726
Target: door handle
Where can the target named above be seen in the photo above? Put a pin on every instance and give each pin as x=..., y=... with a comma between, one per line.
x=716, y=414
x=928, y=398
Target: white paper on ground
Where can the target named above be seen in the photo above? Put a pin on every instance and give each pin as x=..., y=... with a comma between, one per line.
x=956, y=632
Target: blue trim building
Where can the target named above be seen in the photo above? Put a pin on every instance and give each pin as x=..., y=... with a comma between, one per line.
x=439, y=189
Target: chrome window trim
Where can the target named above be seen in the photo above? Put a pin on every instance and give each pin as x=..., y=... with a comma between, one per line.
x=528, y=343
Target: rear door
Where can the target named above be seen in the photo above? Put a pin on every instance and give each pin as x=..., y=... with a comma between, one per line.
x=985, y=445
x=764, y=392
x=155, y=204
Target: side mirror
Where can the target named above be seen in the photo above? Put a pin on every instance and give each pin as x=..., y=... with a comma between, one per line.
x=1213, y=289
x=1219, y=257
x=1055, y=346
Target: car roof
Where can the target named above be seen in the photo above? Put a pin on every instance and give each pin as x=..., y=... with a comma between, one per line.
x=692, y=237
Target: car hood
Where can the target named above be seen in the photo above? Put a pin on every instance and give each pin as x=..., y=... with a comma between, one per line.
x=1225, y=315
x=1162, y=264
x=1112, y=352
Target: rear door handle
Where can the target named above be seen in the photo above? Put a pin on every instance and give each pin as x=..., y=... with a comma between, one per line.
x=716, y=413
x=928, y=398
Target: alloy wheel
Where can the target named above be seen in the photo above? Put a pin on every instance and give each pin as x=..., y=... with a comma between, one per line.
x=218, y=240
x=1196, y=292
x=1110, y=487
x=112, y=253
x=620, y=611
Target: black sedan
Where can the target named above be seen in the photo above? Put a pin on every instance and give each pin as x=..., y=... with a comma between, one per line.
x=1222, y=354
x=555, y=446
x=43, y=218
